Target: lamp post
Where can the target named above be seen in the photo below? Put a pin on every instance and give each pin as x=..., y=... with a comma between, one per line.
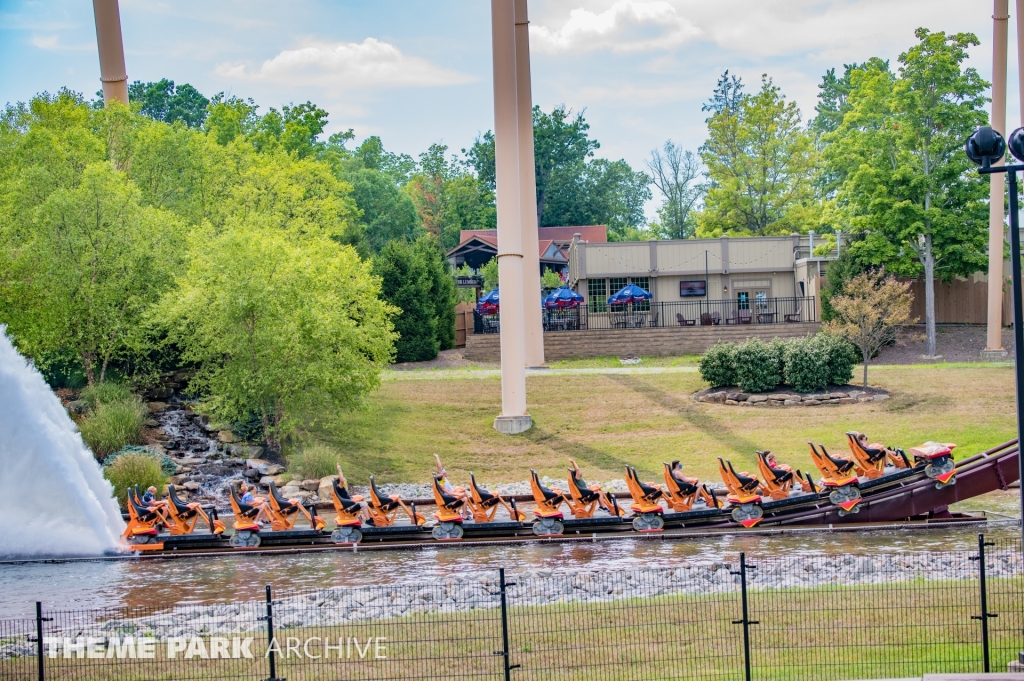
x=986, y=148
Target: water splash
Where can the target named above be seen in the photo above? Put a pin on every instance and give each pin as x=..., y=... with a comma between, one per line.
x=54, y=500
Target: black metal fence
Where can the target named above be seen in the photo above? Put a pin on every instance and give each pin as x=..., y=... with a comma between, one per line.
x=674, y=314
x=828, y=617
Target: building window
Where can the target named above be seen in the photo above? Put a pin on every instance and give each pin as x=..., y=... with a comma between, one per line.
x=616, y=284
x=645, y=284
x=597, y=295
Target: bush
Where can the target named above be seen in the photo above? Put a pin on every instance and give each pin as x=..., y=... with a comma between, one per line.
x=757, y=371
x=113, y=425
x=777, y=353
x=840, y=355
x=717, y=365
x=314, y=461
x=166, y=462
x=806, y=365
x=107, y=392
x=134, y=468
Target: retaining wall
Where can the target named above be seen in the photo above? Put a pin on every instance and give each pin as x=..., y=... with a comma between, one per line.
x=658, y=342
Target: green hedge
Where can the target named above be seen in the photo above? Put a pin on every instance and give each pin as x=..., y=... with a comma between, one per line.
x=806, y=364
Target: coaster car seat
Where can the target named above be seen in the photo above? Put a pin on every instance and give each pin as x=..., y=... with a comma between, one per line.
x=245, y=514
x=384, y=509
x=283, y=513
x=548, y=500
x=484, y=504
x=183, y=518
x=777, y=481
x=742, y=486
x=143, y=524
x=835, y=471
x=448, y=506
x=646, y=497
x=870, y=460
x=681, y=492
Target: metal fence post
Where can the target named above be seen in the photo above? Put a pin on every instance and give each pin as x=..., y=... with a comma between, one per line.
x=746, y=621
x=39, y=640
x=270, y=638
x=985, y=614
x=504, y=652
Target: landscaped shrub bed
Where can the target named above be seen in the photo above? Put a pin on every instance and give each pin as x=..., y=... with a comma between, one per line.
x=806, y=364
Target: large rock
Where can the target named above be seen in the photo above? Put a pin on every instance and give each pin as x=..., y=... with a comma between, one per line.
x=754, y=399
x=310, y=485
x=157, y=407
x=323, y=489
x=264, y=467
x=227, y=436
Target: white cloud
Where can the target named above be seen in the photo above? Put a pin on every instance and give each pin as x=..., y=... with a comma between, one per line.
x=52, y=43
x=626, y=26
x=371, y=63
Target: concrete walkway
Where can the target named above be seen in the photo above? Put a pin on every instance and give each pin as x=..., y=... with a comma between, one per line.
x=466, y=374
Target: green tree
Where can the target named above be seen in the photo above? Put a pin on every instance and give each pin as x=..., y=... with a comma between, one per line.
x=229, y=118
x=388, y=213
x=371, y=154
x=906, y=180
x=281, y=325
x=599, y=192
x=443, y=293
x=406, y=283
x=448, y=198
x=561, y=147
x=165, y=102
x=760, y=166
x=676, y=174
x=86, y=269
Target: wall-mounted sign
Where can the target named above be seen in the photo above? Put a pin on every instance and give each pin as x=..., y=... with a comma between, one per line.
x=472, y=281
x=692, y=289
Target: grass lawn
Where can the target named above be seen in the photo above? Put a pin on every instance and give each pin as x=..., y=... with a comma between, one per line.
x=605, y=421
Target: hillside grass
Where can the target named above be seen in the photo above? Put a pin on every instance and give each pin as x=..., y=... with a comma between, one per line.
x=606, y=421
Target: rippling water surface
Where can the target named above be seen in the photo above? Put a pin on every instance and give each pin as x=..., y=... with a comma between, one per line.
x=165, y=583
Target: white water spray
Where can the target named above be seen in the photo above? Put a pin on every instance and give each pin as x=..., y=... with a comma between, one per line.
x=54, y=500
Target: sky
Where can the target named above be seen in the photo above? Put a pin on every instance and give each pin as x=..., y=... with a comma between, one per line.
x=416, y=72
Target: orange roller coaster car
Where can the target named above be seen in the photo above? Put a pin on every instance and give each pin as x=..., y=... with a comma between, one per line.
x=646, y=504
x=283, y=513
x=681, y=492
x=743, y=494
x=182, y=518
x=838, y=475
x=778, y=481
x=448, y=515
x=549, y=501
x=384, y=509
x=484, y=504
x=348, y=515
x=143, y=522
x=247, y=529
x=584, y=499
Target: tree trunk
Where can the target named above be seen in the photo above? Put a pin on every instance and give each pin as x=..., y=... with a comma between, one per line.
x=866, y=358
x=88, y=365
x=929, y=295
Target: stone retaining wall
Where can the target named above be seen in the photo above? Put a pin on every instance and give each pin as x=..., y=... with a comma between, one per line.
x=658, y=342
x=781, y=399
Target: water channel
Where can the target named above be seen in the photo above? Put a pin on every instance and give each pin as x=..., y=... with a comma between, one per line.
x=168, y=582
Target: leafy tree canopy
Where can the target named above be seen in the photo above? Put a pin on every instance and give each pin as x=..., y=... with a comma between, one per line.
x=163, y=101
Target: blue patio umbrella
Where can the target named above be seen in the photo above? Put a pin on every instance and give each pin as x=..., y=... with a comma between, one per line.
x=488, y=304
x=563, y=298
x=629, y=294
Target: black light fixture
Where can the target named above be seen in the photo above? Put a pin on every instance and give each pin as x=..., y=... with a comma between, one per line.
x=985, y=148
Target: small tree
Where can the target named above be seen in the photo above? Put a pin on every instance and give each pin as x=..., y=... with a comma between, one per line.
x=869, y=313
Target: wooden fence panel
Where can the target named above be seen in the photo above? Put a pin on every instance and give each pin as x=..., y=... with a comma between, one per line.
x=463, y=323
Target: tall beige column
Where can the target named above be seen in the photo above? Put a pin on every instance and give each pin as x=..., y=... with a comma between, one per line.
x=996, y=212
x=513, y=418
x=534, y=327
x=113, y=73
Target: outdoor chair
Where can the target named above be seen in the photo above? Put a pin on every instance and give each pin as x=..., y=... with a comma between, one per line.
x=683, y=321
x=654, y=319
x=795, y=317
x=706, y=319
x=716, y=318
